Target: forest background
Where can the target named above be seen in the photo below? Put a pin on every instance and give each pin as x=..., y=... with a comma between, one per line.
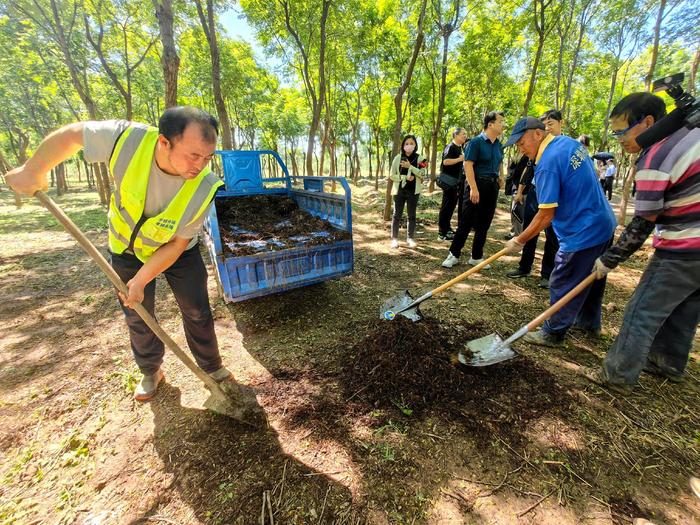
x=332, y=85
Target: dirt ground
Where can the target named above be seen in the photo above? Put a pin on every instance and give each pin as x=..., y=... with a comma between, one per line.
x=368, y=422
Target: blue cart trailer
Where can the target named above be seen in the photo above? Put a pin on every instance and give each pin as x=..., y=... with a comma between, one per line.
x=263, y=172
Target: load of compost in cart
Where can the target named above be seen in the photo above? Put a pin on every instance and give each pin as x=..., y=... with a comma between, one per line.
x=265, y=223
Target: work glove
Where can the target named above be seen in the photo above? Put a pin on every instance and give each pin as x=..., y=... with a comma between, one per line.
x=513, y=246
x=601, y=271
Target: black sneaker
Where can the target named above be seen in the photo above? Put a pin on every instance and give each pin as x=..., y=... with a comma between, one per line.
x=517, y=274
x=442, y=237
x=450, y=235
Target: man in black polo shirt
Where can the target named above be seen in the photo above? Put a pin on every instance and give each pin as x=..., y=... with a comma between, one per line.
x=451, y=181
x=482, y=166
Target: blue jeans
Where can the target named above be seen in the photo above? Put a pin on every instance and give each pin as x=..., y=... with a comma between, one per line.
x=584, y=310
x=659, y=323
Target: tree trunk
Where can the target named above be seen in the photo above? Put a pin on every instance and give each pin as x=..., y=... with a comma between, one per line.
x=398, y=102
x=169, y=59
x=209, y=27
x=694, y=71
x=533, y=74
x=655, y=48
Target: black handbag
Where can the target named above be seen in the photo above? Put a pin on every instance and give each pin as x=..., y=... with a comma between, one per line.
x=446, y=182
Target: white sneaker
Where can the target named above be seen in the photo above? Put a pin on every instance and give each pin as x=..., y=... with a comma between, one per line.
x=394, y=243
x=411, y=243
x=474, y=262
x=450, y=261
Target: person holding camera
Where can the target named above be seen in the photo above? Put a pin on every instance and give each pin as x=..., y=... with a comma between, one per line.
x=407, y=172
x=451, y=182
x=662, y=316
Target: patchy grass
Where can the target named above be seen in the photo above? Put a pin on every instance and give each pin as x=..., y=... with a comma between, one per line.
x=529, y=441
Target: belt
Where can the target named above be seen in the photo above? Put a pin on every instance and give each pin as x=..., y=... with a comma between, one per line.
x=488, y=178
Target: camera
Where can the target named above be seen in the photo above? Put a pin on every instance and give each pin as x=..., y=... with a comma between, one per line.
x=686, y=114
x=684, y=101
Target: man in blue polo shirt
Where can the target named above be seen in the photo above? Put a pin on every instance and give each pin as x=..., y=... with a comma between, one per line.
x=571, y=199
x=482, y=167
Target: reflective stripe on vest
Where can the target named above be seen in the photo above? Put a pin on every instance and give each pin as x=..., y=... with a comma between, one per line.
x=130, y=164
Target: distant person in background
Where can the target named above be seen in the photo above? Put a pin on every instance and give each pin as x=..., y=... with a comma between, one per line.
x=451, y=182
x=586, y=141
x=482, y=167
x=552, y=121
x=600, y=168
x=407, y=173
x=610, y=172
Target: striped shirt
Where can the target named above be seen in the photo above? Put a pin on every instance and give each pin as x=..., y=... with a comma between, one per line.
x=668, y=185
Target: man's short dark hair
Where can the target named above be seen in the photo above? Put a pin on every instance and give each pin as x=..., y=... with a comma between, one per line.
x=585, y=140
x=457, y=131
x=491, y=117
x=635, y=106
x=553, y=114
x=173, y=121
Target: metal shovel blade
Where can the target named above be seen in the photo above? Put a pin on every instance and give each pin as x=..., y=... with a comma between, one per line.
x=238, y=402
x=486, y=351
x=392, y=307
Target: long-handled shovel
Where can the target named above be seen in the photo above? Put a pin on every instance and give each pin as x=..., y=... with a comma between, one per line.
x=405, y=305
x=218, y=400
x=492, y=349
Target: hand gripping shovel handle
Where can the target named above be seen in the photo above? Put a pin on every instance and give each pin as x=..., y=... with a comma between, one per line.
x=119, y=285
x=549, y=312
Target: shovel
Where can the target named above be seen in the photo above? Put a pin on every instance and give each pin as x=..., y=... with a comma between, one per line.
x=218, y=401
x=404, y=304
x=492, y=349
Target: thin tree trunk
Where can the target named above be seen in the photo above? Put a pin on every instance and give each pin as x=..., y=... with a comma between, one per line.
x=398, y=102
x=655, y=48
x=169, y=59
x=209, y=27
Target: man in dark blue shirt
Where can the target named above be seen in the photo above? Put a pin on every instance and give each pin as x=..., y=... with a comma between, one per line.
x=482, y=167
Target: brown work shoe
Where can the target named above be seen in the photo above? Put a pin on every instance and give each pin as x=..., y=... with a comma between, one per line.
x=148, y=385
x=599, y=377
x=654, y=369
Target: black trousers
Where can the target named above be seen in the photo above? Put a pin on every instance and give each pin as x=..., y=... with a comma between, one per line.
x=551, y=244
x=476, y=216
x=187, y=278
x=410, y=200
x=451, y=199
x=608, y=187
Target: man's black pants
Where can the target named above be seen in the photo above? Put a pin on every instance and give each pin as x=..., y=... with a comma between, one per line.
x=451, y=198
x=476, y=216
x=187, y=278
x=551, y=244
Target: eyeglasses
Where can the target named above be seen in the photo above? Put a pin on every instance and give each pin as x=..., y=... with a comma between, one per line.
x=621, y=132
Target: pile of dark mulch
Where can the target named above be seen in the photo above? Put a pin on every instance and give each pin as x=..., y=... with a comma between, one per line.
x=401, y=367
x=263, y=223
x=411, y=364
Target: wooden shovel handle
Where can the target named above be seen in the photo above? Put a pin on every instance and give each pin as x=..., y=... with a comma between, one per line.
x=549, y=312
x=466, y=274
x=119, y=285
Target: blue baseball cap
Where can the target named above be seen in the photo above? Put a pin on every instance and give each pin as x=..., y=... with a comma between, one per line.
x=521, y=126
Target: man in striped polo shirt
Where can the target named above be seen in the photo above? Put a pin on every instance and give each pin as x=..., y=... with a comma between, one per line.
x=661, y=318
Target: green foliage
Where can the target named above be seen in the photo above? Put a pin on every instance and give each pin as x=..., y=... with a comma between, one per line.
x=367, y=50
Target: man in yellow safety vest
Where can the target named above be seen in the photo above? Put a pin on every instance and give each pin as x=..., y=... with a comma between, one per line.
x=163, y=191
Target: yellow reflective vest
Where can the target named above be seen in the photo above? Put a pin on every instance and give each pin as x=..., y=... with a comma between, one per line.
x=130, y=164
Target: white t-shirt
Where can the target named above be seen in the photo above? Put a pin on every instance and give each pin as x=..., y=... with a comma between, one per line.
x=99, y=138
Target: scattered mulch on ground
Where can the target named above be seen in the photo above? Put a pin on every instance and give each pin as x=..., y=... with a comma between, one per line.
x=265, y=223
x=409, y=370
